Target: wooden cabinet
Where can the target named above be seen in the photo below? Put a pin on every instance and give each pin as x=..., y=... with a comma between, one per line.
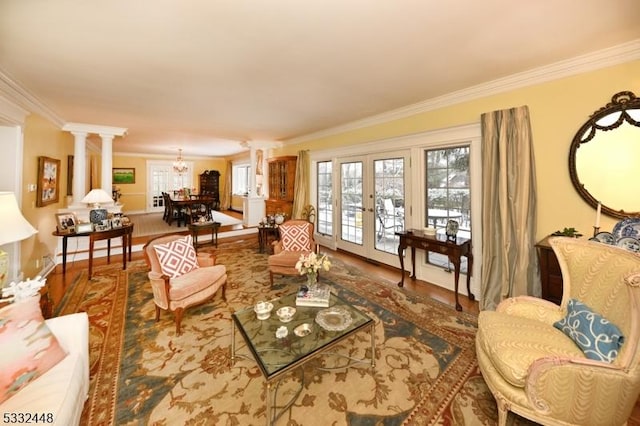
x=281, y=179
x=210, y=186
x=550, y=273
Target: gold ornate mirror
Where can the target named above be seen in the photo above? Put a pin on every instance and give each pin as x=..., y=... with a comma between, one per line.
x=604, y=159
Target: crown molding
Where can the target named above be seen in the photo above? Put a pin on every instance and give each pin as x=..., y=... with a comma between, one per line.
x=16, y=93
x=615, y=55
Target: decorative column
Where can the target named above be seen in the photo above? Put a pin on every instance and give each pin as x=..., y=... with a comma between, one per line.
x=107, y=161
x=253, y=205
x=79, y=166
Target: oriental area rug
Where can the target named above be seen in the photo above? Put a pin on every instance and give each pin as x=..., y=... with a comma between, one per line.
x=141, y=373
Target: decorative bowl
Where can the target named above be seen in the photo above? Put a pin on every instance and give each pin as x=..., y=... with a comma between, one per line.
x=286, y=313
x=303, y=330
x=263, y=310
x=282, y=332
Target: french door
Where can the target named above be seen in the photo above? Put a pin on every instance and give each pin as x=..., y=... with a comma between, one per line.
x=371, y=204
x=162, y=178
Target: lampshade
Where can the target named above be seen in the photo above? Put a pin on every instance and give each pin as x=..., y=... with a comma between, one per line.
x=13, y=226
x=97, y=196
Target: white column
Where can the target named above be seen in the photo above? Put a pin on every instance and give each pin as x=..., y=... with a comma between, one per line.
x=252, y=172
x=79, y=166
x=107, y=161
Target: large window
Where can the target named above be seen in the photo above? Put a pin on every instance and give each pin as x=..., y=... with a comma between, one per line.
x=448, y=194
x=325, y=198
x=240, y=179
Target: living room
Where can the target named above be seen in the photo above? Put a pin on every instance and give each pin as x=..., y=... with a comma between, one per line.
x=560, y=97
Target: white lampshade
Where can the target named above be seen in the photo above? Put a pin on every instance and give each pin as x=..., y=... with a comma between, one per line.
x=13, y=226
x=97, y=196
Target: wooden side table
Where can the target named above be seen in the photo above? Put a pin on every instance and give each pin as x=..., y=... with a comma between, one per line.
x=438, y=244
x=196, y=228
x=550, y=273
x=264, y=232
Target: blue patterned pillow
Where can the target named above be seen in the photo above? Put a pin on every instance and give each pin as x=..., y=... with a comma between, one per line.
x=597, y=337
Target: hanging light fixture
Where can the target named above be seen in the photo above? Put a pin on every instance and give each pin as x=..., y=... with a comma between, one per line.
x=179, y=166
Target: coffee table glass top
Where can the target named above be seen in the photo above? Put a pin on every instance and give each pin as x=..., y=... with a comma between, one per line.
x=305, y=336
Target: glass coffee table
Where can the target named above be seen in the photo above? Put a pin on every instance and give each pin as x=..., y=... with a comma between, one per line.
x=306, y=340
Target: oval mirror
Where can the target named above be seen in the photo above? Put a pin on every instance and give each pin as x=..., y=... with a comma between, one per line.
x=604, y=157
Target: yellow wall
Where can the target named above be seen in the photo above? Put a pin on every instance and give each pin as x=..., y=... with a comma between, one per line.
x=557, y=108
x=134, y=195
x=42, y=138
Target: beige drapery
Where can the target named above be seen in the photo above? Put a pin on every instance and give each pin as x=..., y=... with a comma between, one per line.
x=509, y=261
x=225, y=195
x=301, y=196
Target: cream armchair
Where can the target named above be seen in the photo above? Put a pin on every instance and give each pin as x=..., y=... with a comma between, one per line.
x=191, y=288
x=537, y=371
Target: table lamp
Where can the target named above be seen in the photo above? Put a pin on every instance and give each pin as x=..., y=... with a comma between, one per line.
x=95, y=197
x=13, y=227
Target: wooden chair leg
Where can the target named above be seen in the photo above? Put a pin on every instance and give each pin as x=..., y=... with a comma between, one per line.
x=178, y=314
x=224, y=291
x=271, y=278
x=157, y=313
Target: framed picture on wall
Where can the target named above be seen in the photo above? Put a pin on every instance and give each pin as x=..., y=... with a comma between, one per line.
x=48, y=185
x=123, y=175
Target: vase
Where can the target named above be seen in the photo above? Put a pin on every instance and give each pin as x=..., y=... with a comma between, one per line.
x=312, y=281
x=279, y=219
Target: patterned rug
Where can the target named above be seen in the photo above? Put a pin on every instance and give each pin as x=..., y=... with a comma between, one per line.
x=142, y=373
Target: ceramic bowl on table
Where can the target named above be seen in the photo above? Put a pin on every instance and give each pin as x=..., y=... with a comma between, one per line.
x=286, y=313
x=263, y=310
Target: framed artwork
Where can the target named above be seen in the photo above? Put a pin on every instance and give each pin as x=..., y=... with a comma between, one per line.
x=69, y=174
x=66, y=223
x=48, y=186
x=123, y=175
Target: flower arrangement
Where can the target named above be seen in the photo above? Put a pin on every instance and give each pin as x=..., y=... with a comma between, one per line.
x=310, y=264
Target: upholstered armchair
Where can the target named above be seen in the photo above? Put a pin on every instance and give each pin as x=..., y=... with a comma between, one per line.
x=296, y=238
x=567, y=364
x=179, y=276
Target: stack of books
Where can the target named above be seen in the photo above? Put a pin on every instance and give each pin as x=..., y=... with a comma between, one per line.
x=319, y=297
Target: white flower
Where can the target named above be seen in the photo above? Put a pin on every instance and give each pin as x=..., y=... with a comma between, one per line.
x=312, y=263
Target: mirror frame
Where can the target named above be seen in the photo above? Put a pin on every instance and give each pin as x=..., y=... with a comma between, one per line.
x=620, y=102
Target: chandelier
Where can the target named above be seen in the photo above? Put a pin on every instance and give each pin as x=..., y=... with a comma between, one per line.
x=179, y=166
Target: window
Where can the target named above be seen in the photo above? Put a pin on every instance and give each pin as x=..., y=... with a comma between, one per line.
x=448, y=194
x=325, y=198
x=240, y=179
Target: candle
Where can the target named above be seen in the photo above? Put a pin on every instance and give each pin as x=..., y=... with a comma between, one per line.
x=598, y=210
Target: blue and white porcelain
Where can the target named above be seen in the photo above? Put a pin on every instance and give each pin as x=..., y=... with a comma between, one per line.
x=629, y=243
x=627, y=228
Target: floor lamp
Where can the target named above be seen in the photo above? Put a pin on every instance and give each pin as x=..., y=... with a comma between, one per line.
x=13, y=227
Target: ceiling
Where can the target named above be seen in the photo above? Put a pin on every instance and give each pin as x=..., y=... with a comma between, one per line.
x=205, y=75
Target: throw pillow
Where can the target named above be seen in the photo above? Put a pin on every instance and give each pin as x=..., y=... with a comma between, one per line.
x=295, y=237
x=598, y=338
x=177, y=257
x=29, y=349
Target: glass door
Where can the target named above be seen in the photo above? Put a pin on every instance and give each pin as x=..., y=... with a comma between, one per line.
x=162, y=178
x=372, y=204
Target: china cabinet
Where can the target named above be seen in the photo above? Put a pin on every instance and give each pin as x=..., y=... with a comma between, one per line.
x=281, y=179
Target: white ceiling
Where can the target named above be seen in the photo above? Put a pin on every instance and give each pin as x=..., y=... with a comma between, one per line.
x=204, y=75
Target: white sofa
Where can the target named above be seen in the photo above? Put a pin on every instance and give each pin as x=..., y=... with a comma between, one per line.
x=62, y=390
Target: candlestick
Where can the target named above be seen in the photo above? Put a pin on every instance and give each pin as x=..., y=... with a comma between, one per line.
x=598, y=211
x=596, y=230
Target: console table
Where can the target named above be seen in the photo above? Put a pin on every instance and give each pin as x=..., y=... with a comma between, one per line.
x=438, y=244
x=124, y=232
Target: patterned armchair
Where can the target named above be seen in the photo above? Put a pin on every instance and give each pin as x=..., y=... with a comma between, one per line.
x=535, y=369
x=296, y=238
x=179, y=276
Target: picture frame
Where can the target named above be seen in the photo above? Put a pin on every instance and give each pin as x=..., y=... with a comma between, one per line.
x=123, y=175
x=48, y=182
x=83, y=228
x=66, y=223
x=116, y=222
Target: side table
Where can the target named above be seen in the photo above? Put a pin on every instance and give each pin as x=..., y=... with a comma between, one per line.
x=550, y=273
x=264, y=232
x=195, y=229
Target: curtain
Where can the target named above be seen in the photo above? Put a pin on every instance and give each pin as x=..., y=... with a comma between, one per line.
x=301, y=195
x=509, y=261
x=225, y=196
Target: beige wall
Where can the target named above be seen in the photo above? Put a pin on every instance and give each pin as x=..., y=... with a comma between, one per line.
x=134, y=195
x=42, y=138
x=557, y=108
